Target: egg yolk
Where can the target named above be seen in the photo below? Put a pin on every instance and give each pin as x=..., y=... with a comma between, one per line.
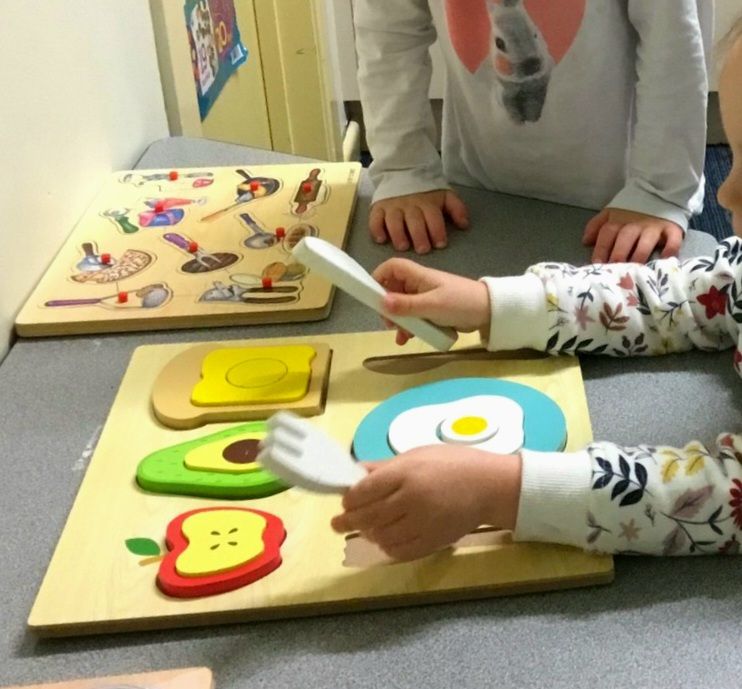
x=469, y=425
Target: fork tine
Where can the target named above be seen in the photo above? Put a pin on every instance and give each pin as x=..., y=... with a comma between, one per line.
x=281, y=439
x=290, y=422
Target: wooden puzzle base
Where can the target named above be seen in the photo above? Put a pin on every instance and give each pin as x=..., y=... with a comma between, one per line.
x=96, y=583
x=187, y=678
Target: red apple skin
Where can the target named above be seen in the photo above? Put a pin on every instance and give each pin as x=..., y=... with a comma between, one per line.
x=173, y=584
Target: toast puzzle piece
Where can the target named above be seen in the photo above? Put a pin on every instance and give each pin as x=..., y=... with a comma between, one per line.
x=220, y=465
x=454, y=412
x=254, y=375
x=174, y=386
x=215, y=550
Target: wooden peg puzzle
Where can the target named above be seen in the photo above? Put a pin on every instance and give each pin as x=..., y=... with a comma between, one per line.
x=199, y=244
x=175, y=549
x=209, y=383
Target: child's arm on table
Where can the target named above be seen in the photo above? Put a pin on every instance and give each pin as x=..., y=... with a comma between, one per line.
x=412, y=195
x=653, y=500
x=667, y=152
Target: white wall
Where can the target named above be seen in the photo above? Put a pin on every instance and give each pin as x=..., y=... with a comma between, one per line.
x=81, y=96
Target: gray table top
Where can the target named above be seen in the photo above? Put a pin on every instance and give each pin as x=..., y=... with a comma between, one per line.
x=662, y=622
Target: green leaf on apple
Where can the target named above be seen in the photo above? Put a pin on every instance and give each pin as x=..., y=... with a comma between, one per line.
x=144, y=547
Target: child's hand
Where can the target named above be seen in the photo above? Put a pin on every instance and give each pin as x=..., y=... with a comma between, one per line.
x=417, y=217
x=429, y=498
x=619, y=236
x=440, y=297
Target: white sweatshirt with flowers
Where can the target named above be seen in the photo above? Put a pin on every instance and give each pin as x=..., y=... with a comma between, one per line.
x=646, y=499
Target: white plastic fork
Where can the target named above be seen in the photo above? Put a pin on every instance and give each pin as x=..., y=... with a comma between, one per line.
x=302, y=455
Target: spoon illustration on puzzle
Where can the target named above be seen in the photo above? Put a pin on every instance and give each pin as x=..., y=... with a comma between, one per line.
x=202, y=261
x=103, y=268
x=263, y=239
x=249, y=189
x=148, y=297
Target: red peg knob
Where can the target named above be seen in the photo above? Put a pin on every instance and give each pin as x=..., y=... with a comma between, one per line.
x=160, y=207
x=105, y=259
x=123, y=297
x=280, y=232
x=267, y=283
x=173, y=175
x=307, y=187
x=192, y=247
x=254, y=186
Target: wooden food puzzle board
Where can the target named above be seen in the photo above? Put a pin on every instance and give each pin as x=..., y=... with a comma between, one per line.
x=107, y=573
x=194, y=248
x=186, y=678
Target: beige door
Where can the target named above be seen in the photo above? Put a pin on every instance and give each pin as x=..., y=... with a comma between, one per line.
x=282, y=98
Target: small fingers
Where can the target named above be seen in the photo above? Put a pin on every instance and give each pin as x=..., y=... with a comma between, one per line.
x=417, y=229
x=673, y=241
x=604, y=242
x=378, y=485
x=436, y=226
x=377, y=225
x=456, y=210
x=377, y=516
x=625, y=243
x=646, y=245
x=395, y=227
x=593, y=228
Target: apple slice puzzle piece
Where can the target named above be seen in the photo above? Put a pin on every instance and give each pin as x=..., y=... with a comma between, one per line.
x=302, y=455
x=219, y=549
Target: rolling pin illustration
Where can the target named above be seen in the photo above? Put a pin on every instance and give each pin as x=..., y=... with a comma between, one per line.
x=308, y=192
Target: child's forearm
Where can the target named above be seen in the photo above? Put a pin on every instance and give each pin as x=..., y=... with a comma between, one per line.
x=619, y=310
x=643, y=500
x=394, y=73
x=667, y=152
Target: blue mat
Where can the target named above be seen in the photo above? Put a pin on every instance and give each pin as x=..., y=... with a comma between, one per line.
x=714, y=219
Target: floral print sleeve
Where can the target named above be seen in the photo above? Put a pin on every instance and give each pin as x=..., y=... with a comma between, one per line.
x=634, y=310
x=665, y=501
x=648, y=499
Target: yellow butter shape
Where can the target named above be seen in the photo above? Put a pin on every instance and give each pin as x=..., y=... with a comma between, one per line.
x=210, y=456
x=254, y=375
x=220, y=541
